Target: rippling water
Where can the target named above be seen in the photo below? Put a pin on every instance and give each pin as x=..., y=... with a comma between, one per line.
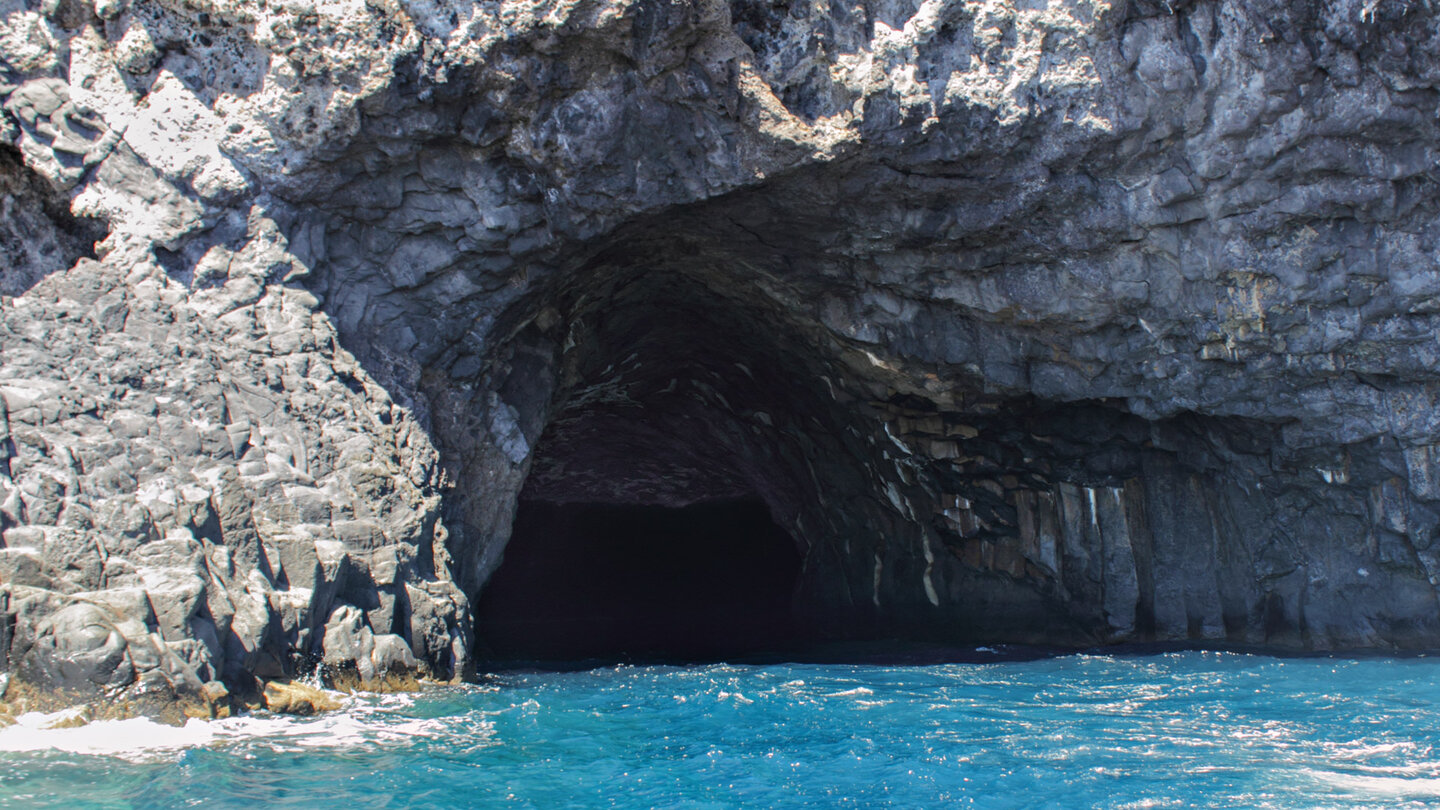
x=1174, y=730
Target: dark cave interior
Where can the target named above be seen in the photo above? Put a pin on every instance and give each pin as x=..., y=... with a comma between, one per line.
x=587, y=581
x=715, y=480
x=679, y=479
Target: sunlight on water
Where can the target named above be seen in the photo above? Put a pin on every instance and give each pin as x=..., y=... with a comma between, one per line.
x=1175, y=730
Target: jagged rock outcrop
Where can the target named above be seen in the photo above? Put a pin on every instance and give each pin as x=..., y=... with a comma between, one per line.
x=1068, y=322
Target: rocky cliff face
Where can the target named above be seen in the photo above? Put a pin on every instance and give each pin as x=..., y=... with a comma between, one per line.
x=1067, y=322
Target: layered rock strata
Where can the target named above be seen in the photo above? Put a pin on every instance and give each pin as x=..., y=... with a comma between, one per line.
x=1062, y=322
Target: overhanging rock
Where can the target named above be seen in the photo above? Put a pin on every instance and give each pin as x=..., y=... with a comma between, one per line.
x=1068, y=323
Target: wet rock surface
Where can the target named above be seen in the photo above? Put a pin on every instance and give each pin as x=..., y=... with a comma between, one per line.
x=1070, y=322
x=297, y=698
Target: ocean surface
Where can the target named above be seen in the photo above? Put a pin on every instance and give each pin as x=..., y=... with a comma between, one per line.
x=1181, y=729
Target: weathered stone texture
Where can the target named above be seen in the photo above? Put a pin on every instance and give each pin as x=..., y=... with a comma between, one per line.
x=1066, y=322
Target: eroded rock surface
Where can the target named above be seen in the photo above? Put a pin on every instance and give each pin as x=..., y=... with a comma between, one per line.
x=1066, y=322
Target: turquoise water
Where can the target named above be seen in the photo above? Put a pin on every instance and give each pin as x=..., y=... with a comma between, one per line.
x=1188, y=729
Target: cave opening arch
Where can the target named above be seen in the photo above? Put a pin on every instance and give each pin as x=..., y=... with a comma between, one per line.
x=667, y=371
x=696, y=434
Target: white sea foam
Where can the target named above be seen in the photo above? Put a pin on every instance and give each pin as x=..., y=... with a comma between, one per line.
x=364, y=721
x=127, y=738
x=1391, y=786
x=735, y=696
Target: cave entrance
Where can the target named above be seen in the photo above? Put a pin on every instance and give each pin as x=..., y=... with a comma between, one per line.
x=624, y=582
x=693, y=468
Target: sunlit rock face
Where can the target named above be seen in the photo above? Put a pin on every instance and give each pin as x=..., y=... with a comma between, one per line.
x=1067, y=322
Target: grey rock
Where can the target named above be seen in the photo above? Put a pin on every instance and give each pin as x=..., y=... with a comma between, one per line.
x=78, y=649
x=391, y=654
x=1070, y=336
x=351, y=645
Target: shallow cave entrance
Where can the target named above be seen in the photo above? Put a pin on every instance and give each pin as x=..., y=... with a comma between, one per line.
x=692, y=462
x=590, y=581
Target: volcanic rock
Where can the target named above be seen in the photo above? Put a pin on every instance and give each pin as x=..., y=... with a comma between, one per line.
x=1069, y=322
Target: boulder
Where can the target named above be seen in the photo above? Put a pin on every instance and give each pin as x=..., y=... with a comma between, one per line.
x=297, y=698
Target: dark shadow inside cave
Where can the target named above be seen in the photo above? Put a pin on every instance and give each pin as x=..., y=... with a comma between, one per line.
x=588, y=581
x=698, y=481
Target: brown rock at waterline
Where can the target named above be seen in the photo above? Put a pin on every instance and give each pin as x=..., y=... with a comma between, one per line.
x=21, y=698
x=349, y=680
x=75, y=720
x=297, y=699
x=217, y=699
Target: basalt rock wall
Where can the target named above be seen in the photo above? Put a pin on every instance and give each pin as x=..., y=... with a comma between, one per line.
x=1059, y=322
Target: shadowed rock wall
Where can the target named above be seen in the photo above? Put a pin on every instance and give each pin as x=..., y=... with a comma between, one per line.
x=1066, y=322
